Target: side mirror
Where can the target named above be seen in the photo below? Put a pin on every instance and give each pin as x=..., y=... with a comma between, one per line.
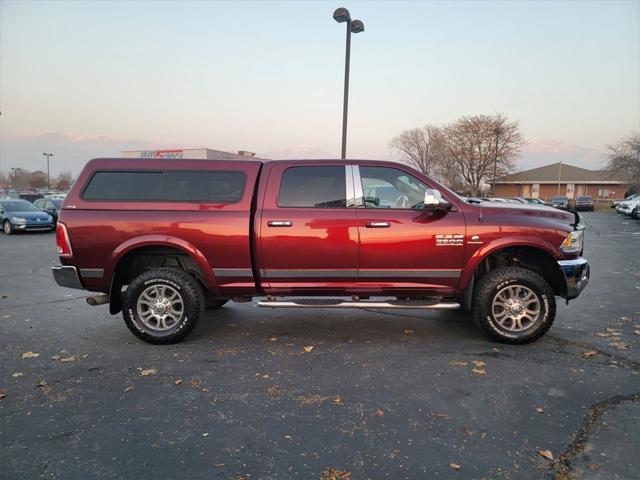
x=434, y=201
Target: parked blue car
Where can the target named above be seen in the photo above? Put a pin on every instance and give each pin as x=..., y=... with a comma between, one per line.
x=20, y=215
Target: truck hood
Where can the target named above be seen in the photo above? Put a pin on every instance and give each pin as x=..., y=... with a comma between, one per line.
x=510, y=209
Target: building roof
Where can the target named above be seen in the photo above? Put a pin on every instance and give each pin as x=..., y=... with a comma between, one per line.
x=561, y=173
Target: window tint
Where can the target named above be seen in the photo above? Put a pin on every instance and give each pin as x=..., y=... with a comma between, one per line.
x=206, y=187
x=391, y=188
x=171, y=186
x=124, y=186
x=318, y=187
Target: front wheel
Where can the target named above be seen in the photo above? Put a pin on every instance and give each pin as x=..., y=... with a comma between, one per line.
x=162, y=305
x=7, y=228
x=514, y=305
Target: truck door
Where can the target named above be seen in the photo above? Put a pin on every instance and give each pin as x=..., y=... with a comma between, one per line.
x=308, y=235
x=403, y=246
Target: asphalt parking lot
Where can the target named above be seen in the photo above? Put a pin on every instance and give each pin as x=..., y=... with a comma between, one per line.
x=380, y=395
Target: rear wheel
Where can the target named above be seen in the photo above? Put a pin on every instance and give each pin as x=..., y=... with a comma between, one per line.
x=162, y=305
x=7, y=228
x=514, y=305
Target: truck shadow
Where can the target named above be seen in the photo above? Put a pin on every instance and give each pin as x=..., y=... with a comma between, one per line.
x=333, y=325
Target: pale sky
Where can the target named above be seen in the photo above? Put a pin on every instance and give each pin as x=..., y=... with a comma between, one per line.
x=267, y=76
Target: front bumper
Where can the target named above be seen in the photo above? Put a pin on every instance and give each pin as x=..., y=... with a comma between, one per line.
x=33, y=227
x=66, y=276
x=576, y=275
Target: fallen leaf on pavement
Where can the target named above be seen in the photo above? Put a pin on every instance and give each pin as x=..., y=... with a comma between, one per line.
x=619, y=345
x=17, y=374
x=337, y=401
x=72, y=358
x=539, y=409
x=128, y=389
x=594, y=467
x=178, y=382
x=408, y=331
x=479, y=371
x=589, y=354
x=308, y=349
x=30, y=355
x=546, y=454
x=602, y=334
x=205, y=434
x=218, y=465
x=2, y=394
x=150, y=371
x=335, y=474
x=478, y=363
x=637, y=332
x=379, y=413
x=455, y=466
x=458, y=363
x=273, y=339
x=55, y=357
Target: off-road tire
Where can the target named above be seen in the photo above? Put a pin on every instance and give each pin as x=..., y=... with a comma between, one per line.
x=488, y=287
x=7, y=228
x=192, y=298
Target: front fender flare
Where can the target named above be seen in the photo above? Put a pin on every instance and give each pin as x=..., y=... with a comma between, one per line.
x=499, y=244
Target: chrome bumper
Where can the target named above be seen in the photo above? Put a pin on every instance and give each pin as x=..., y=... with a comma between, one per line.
x=576, y=274
x=66, y=276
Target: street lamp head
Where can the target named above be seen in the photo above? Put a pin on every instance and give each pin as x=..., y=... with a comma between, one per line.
x=357, y=26
x=341, y=15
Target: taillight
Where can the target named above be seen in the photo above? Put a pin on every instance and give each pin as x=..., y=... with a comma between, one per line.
x=62, y=240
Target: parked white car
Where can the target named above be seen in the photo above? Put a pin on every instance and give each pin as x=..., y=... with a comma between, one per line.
x=631, y=207
x=620, y=205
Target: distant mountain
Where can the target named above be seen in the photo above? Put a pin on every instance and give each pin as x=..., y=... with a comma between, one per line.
x=539, y=153
x=69, y=153
x=313, y=153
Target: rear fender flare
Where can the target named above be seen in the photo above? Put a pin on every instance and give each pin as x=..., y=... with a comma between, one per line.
x=165, y=241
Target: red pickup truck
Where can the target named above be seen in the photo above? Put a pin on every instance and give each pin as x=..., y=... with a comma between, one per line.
x=161, y=240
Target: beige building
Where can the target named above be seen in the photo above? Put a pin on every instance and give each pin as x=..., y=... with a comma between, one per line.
x=561, y=179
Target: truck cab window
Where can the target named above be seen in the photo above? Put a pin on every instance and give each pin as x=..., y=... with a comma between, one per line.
x=385, y=187
x=314, y=187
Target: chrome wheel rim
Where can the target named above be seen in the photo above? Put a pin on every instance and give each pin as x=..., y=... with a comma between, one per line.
x=160, y=307
x=7, y=227
x=516, y=308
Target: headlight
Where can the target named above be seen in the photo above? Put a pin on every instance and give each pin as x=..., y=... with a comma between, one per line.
x=573, y=242
x=19, y=219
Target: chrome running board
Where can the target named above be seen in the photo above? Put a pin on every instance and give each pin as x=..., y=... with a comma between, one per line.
x=340, y=303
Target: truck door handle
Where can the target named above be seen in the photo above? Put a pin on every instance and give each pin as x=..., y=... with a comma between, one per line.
x=280, y=223
x=378, y=224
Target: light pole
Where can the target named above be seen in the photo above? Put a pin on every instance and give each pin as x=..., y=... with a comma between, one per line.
x=341, y=15
x=48, y=155
x=497, y=131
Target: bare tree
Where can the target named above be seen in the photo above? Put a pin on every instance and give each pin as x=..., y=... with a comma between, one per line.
x=64, y=181
x=624, y=157
x=37, y=179
x=421, y=148
x=470, y=147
